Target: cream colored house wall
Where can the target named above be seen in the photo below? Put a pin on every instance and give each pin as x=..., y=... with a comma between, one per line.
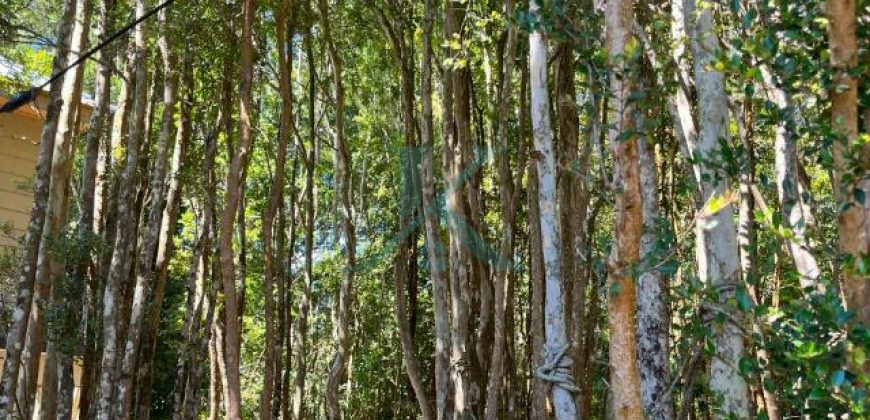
x=19, y=136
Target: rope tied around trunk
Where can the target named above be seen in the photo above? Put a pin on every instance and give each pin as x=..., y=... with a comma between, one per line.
x=556, y=368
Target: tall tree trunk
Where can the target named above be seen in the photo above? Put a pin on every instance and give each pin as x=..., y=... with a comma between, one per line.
x=718, y=260
x=197, y=275
x=343, y=189
x=850, y=172
x=27, y=269
x=434, y=245
x=508, y=201
x=88, y=225
x=276, y=196
x=57, y=366
x=57, y=386
x=457, y=134
x=653, y=322
x=746, y=239
x=234, y=181
x=405, y=339
x=165, y=245
x=310, y=213
x=556, y=367
x=286, y=403
x=209, y=338
x=794, y=209
x=536, y=275
x=118, y=266
x=146, y=271
x=628, y=215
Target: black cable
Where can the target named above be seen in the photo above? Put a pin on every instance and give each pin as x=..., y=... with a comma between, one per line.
x=26, y=96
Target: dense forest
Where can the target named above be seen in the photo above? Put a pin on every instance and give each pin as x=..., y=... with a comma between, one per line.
x=458, y=209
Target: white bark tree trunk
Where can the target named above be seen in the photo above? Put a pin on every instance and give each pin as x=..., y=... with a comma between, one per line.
x=554, y=307
x=795, y=210
x=716, y=243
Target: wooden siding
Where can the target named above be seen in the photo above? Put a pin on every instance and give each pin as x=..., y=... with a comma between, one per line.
x=19, y=136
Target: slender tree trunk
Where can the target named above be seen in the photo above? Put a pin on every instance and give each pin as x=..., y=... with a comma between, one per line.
x=195, y=300
x=165, y=245
x=286, y=403
x=209, y=339
x=343, y=189
x=591, y=320
x=57, y=367
x=746, y=238
x=653, y=322
x=214, y=389
x=88, y=225
x=557, y=365
x=234, y=181
x=146, y=271
x=310, y=213
x=628, y=216
x=276, y=196
x=405, y=339
x=536, y=275
x=794, y=209
x=124, y=236
x=281, y=275
x=850, y=172
x=27, y=269
x=434, y=245
x=456, y=134
x=718, y=260
x=508, y=201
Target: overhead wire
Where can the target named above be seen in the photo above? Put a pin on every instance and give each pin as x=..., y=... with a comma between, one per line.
x=26, y=96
